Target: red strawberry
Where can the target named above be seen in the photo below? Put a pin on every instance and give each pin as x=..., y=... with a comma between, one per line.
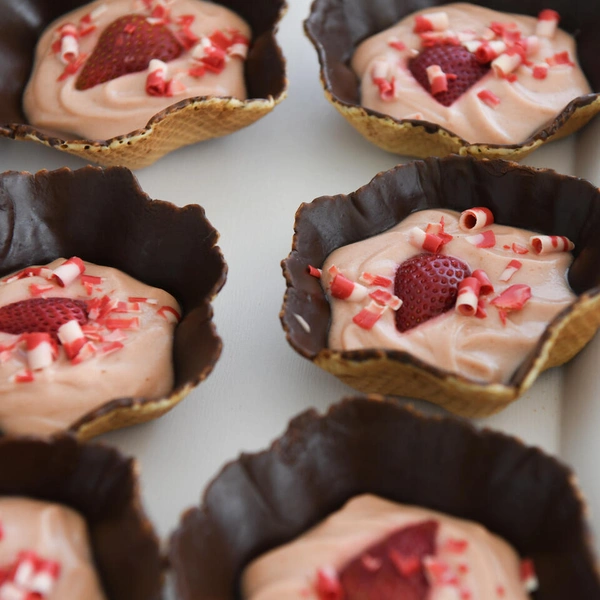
x=427, y=284
x=453, y=60
x=41, y=315
x=126, y=46
x=392, y=568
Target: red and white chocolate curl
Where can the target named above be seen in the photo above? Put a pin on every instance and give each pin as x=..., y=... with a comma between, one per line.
x=69, y=49
x=540, y=71
x=437, y=79
x=369, y=315
x=468, y=296
x=397, y=44
x=41, y=350
x=484, y=280
x=513, y=298
x=342, y=288
x=487, y=239
x=69, y=271
x=513, y=266
x=488, y=51
x=168, y=313
x=72, y=338
x=528, y=575
x=425, y=241
x=506, y=63
x=380, y=75
x=385, y=298
x=314, y=272
x=475, y=218
x=327, y=584
x=379, y=280
x=156, y=82
x=175, y=86
x=545, y=244
x=488, y=97
x=547, y=23
x=433, y=21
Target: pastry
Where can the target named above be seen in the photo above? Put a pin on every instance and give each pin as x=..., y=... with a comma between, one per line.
x=365, y=447
x=176, y=121
x=497, y=77
x=405, y=285
x=101, y=216
x=535, y=200
x=105, y=69
x=75, y=335
x=72, y=524
x=425, y=127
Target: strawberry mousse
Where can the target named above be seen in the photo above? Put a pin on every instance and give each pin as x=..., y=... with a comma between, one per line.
x=374, y=548
x=104, y=70
x=73, y=336
x=45, y=553
x=454, y=290
x=486, y=76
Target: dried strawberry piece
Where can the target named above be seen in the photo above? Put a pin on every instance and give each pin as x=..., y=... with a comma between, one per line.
x=427, y=284
x=126, y=46
x=400, y=572
x=41, y=315
x=455, y=60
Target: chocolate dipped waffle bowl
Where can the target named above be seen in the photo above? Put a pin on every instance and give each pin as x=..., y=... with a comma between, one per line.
x=371, y=445
x=102, y=216
x=185, y=122
x=102, y=486
x=337, y=27
x=533, y=199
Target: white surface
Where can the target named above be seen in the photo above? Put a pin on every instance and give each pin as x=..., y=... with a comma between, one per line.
x=251, y=184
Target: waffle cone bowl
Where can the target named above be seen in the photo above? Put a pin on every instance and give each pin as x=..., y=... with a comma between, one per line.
x=185, y=122
x=44, y=217
x=336, y=27
x=264, y=500
x=102, y=486
x=535, y=199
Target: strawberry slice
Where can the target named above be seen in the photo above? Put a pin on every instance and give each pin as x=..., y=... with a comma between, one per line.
x=453, y=60
x=394, y=567
x=41, y=315
x=427, y=284
x=126, y=46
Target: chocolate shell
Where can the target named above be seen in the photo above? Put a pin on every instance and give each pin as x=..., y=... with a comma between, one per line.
x=361, y=446
x=336, y=27
x=102, y=485
x=102, y=216
x=536, y=199
x=186, y=122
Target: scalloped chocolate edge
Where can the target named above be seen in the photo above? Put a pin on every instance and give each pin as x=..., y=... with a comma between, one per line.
x=66, y=225
x=102, y=485
x=265, y=499
x=266, y=88
x=439, y=183
x=319, y=32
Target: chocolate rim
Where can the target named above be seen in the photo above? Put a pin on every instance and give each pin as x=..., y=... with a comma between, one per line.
x=264, y=69
x=103, y=216
x=526, y=197
x=335, y=27
x=266, y=499
x=102, y=485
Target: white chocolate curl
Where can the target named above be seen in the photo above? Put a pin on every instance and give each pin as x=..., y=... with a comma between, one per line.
x=547, y=23
x=475, y=218
x=506, y=64
x=69, y=271
x=40, y=352
x=380, y=70
x=69, y=49
x=544, y=244
x=439, y=20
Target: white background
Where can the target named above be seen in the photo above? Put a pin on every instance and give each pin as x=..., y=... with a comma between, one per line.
x=251, y=184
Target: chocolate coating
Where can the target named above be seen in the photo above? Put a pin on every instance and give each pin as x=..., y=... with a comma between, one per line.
x=263, y=500
x=102, y=216
x=101, y=484
x=537, y=199
x=336, y=27
x=23, y=21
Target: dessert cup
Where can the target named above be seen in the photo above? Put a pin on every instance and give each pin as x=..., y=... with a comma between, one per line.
x=102, y=215
x=336, y=27
x=102, y=486
x=535, y=199
x=185, y=122
x=372, y=445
